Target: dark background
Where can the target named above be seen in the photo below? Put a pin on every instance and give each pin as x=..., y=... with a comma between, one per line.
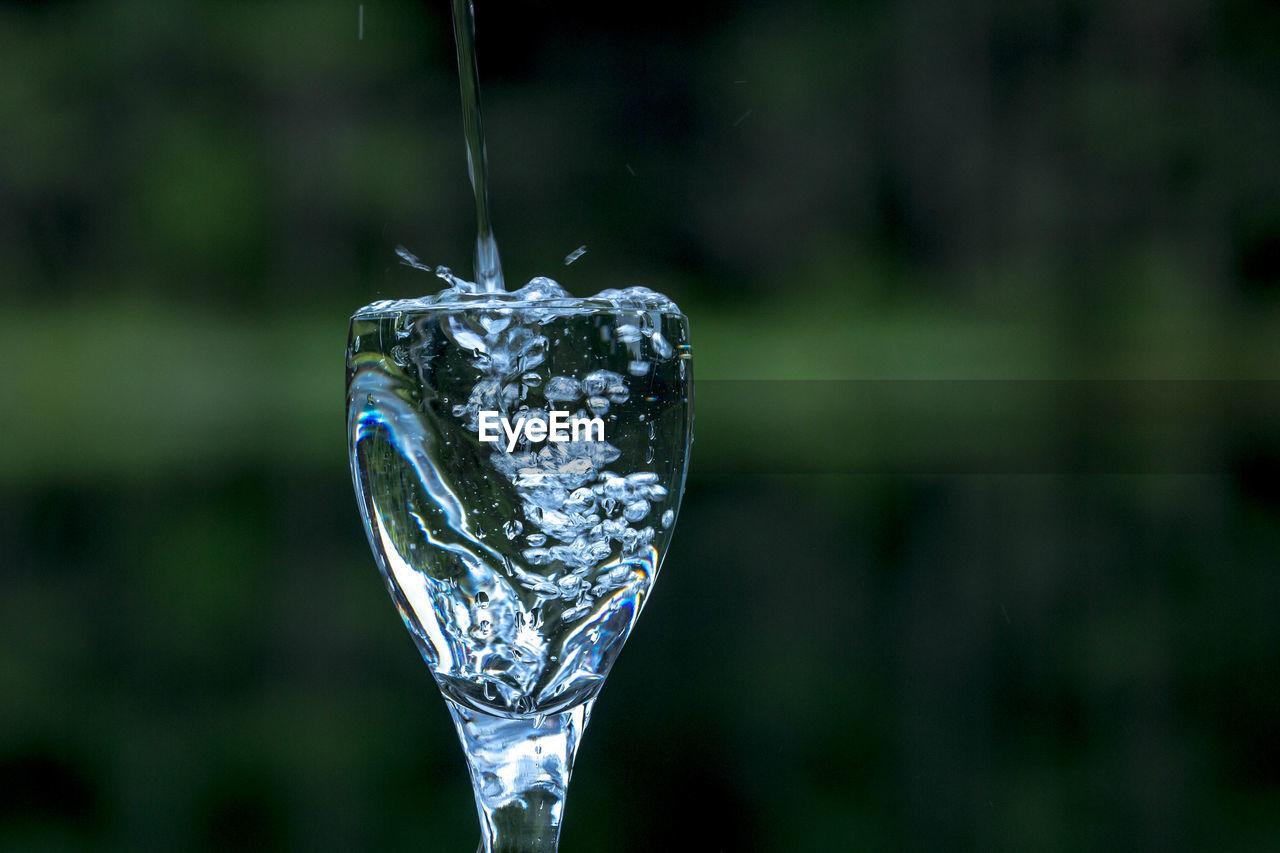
x=1007, y=579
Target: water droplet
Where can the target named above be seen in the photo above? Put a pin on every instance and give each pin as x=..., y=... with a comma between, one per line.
x=369, y=400
x=482, y=599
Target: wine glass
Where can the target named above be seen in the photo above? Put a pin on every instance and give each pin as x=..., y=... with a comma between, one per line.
x=519, y=465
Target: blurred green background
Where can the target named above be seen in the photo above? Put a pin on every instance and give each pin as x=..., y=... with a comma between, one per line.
x=1007, y=578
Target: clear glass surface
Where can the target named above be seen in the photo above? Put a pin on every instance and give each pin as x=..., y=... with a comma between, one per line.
x=519, y=468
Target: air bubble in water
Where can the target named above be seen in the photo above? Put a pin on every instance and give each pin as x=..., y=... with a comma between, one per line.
x=512, y=528
x=596, y=382
x=616, y=488
x=636, y=510
x=628, y=334
x=495, y=322
x=638, y=368
x=598, y=405
x=575, y=612
x=660, y=346
x=562, y=389
x=536, y=539
x=667, y=518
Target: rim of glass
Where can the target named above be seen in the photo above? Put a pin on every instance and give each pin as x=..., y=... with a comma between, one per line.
x=387, y=309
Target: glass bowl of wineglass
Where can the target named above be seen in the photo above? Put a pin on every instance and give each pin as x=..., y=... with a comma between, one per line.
x=519, y=461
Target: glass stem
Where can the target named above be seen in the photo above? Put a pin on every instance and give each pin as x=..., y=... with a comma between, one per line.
x=520, y=774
